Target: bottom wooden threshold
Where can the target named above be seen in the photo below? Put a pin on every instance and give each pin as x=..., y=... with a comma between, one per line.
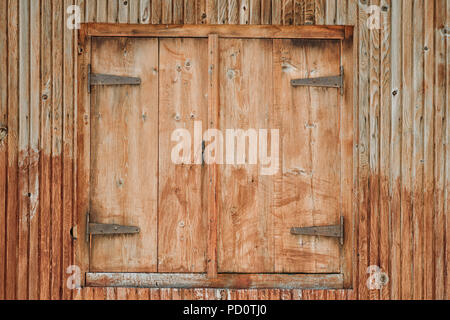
x=223, y=280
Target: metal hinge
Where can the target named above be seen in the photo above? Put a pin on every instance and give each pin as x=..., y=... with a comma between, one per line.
x=98, y=79
x=107, y=229
x=335, y=231
x=328, y=82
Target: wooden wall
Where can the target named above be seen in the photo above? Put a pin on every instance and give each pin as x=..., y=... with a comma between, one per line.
x=401, y=116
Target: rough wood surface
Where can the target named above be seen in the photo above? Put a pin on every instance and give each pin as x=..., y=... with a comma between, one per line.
x=392, y=129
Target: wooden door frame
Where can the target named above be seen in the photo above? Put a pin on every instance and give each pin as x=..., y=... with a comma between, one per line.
x=211, y=279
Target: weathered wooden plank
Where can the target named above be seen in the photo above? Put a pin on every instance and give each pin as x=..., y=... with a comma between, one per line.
x=407, y=150
x=67, y=150
x=447, y=155
x=319, y=12
x=213, y=123
x=276, y=12
x=156, y=11
x=385, y=123
x=24, y=140
x=440, y=111
x=90, y=10
x=341, y=11
x=56, y=160
x=34, y=151
x=13, y=144
x=418, y=149
x=428, y=183
x=113, y=9
x=287, y=12
x=374, y=139
x=166, y=11
x=363, y=146
x=182, y=220
x=178, y=13
x=395, y=150
x=3, y=143
x=222, y=11
x=145, y=11
x=102, y=10
x=299, y=12
x=232, y=281
x=224, y=31
x=233, y=11
x=123, y=12
x=189, y=12
x=134, y=11
x=255, y=11
x=330, y=11
x=266, y=11
x=309, y=12
x=244, y=195
x=200, y=11
x=212, y=12
x=46, y=147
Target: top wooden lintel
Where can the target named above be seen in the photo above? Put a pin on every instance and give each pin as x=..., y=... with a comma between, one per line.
x=224, y=31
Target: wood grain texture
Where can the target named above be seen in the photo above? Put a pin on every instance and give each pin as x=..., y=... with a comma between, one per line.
x=183, y=85
x=392, y=128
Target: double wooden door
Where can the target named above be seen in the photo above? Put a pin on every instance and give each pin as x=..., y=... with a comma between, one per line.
x=192, y=212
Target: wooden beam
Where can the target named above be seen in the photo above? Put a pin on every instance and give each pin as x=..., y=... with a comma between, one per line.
x=224, y=31
x=201, y=280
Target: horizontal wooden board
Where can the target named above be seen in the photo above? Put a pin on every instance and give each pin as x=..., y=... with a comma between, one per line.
x=224, y=31
x=223, y=280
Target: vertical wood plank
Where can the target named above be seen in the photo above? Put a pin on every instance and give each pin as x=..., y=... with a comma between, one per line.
x=91, y=11
x=200, y=11
x=212, y=11
x=123, y=11
x=113, y=9
x=145, y=12
x=341, y=11
x=102, y=10
x=276, y=12
x=287, y=12
x=24, y=140
x=156, y=11
x=418, y=148
x=3, y=144
x=46, y=97
x=178, y=8
x=56, y=200
x=385, y=124
x=67, y=152
x=13, y=133
x=189, y=12
x=309, y=12
x=213, y=122
x=255, y=11
x=395, y=149
x=299, y=12
x=428, y=183
x=222, y=11
x=266, y=11
x=233, y=11
x=319, y=12
x=35, y=97
x=447, y=155
x=363, y=148
x=439, y=143
x=133, y=11
x=330, y=11
x=407, y=144
x=166, y=11
x=374, y=161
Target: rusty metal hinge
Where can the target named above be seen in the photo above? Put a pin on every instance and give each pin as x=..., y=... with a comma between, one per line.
x=335, y=231
x=99, y=79
x=328, y=82
x=107, y=229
